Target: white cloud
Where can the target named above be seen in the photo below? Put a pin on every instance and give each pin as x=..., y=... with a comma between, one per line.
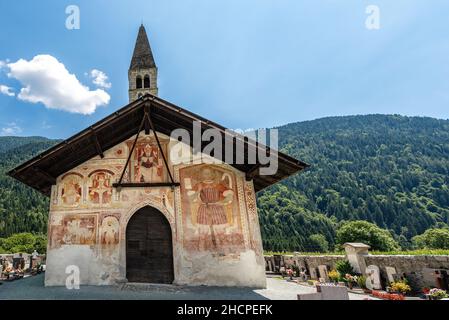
x=6, y=90
x=11, y=129
x=46, y=80
x=100, y=79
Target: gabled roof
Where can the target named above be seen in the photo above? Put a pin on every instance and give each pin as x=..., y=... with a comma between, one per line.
x=142, y=56
x=41, y=172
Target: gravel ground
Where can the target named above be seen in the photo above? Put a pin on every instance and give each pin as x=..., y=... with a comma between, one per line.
x=33, y=288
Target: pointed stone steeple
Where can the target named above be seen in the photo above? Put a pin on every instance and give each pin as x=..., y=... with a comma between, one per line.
x=142, y=74
x=142, y=56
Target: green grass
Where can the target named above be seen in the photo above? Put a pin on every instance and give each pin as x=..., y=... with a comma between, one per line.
x=271, y=253
x=420, y=252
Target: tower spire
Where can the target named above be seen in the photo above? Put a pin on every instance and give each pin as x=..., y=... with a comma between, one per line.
x=142, y=56
x=142, y=74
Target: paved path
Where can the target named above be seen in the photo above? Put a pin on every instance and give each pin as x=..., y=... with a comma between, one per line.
x=33, y=288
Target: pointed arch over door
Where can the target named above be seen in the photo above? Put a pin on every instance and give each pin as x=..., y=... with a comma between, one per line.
x=149, y=250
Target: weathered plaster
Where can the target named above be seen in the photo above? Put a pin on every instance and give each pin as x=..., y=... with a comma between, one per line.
x=83, y=198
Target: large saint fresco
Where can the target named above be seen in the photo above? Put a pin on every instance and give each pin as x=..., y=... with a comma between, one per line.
x=211, y=214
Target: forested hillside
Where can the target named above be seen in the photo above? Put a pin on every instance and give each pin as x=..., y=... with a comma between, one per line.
x=21, y=208
x=390, y=170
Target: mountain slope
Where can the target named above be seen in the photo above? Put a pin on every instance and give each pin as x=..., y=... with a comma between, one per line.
x=391, y=170
x=21, y=208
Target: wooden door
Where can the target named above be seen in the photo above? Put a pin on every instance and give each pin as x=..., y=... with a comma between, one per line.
x=149, y=253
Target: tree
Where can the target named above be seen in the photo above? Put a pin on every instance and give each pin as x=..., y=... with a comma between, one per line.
x=41, y=243
x=344, y=267
x=24, y=243
x=368, y=233
x=318, y=243
x=432, y=239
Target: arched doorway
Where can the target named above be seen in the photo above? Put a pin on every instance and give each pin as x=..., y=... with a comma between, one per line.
x=149, y=251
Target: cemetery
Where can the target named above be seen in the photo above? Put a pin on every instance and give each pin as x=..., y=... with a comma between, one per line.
x=20, y=265
x=388, y=277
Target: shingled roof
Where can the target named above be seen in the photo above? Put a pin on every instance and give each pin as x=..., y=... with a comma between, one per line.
x=142, y=56
x=41, y=172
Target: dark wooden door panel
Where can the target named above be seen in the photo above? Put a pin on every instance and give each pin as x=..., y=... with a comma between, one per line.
x=149, y=254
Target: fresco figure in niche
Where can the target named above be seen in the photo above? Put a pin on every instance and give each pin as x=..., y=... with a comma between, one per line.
x=148, y=167
x=71, y=191
x=213, y=210
x=109, y=230
x=100, y=191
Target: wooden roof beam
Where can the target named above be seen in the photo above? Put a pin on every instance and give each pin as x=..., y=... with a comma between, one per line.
x=252, y=172
x=45, y=175
x=97, y=143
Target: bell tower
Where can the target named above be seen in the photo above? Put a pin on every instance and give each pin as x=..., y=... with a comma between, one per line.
x=142, y=74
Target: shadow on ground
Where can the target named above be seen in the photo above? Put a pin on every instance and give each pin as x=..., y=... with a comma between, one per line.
x=33, y=288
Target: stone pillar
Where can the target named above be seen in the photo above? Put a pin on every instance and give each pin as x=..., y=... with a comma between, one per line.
x=355, y=253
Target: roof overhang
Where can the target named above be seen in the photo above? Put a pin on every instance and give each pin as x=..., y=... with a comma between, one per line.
x=41, y=172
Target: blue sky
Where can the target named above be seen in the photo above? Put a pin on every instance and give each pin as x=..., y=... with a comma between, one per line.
x=244, y=64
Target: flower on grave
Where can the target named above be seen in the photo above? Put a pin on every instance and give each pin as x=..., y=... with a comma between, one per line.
x=438, y=293
x=334, y=275
x=350, y=278
x=400, y=286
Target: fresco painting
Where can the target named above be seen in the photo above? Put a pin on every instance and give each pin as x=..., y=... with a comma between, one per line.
x=71, y=192
x=100, y=189
x=75, y=230
x=110, y=230
x=211, y=213
x=147, y=164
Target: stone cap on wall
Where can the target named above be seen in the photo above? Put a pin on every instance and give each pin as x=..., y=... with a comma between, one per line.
x=356, y=245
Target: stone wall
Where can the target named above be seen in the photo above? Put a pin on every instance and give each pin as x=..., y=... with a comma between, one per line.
x=419, y=270
x=88, y=219
x=308, y=263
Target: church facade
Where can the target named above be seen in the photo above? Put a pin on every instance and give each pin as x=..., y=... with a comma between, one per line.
x=123, y=209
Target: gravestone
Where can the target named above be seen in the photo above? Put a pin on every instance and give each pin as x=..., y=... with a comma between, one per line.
x=326, y=292
x=270, y=268
x=436, y=278
x=313, y=273
x=373, y=278
x=391, y=272
x=322, y=269
x=333, y=292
